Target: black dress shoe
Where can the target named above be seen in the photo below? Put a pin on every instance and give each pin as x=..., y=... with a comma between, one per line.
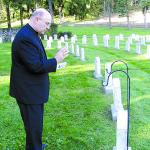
x=44, y=146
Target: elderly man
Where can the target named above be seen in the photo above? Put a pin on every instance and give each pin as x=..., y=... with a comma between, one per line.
x=29, y=81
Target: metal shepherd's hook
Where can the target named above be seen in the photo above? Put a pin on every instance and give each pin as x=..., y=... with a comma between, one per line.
x=128, y=92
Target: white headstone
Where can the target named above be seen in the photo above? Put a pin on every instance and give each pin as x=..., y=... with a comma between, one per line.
x=106, y=40
x=12, y=38
x=72, y=48
x=77, y=51
x=147, y=38
x=130, y=40
x=84, y=39
x=142, y=40
x=62, y=39
x=48, y=44
x=137, y=38
x=73, y=40
x=58, y=44
x=138, y=48
x=97, y=72
x=95, y=41
x=108, y=88
x=148, y=52
x=117, y=105
x=117, y=42
x=82, y=57
x=66, y=45
x=133, y=36
x=66, y=37
x=55, y=36
x=127, y=48
x=121, y=133
x=76, y=38
x=45, y=37
x=121, y=37
x=50, y=39
x=1, y=40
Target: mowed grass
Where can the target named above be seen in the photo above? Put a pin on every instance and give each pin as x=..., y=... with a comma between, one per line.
x=77, y=115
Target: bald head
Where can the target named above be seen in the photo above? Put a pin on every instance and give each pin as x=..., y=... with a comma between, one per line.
x=40, y=20
x=40, y=12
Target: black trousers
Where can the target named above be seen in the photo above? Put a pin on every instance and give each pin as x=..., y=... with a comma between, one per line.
x=32, y=116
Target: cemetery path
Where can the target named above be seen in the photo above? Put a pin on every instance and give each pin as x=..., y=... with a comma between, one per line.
x=136, y=19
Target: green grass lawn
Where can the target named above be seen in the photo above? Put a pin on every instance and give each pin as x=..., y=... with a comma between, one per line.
x=77, y=115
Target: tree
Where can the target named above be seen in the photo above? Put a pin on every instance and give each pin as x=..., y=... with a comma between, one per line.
x=50, y=8
x=108, y=10
x=145, y=4
x=7, y=6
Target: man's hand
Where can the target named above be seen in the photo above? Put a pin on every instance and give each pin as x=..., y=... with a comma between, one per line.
x=61, y=54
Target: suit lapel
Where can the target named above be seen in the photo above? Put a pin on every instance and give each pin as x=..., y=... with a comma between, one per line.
x=43, y=50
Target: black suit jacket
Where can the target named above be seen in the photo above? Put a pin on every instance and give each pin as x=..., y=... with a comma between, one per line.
x=29, y=81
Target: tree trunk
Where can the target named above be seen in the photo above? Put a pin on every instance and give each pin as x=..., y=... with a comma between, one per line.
x=145, y=21
x=36, y=4
x=110, y=12
x=127, y=11
x=8, y=14
x=21, y=16
x=51, y=9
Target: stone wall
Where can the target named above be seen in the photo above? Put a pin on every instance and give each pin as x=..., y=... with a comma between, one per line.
x=8, y=34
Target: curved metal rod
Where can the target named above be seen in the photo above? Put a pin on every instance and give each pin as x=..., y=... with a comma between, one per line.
x=128, y=98
x=127, y=68
x=122, y=62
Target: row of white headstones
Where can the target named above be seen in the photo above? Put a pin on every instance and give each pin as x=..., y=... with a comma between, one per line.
x=138, y=40
x=119, y=114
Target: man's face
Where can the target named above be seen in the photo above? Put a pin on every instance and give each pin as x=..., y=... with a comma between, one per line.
x=43, y=23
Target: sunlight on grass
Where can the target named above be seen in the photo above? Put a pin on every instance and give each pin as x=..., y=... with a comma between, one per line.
x=4, y=80
x=142, y=97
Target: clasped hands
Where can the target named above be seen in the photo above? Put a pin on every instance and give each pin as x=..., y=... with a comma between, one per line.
x=61, y=54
